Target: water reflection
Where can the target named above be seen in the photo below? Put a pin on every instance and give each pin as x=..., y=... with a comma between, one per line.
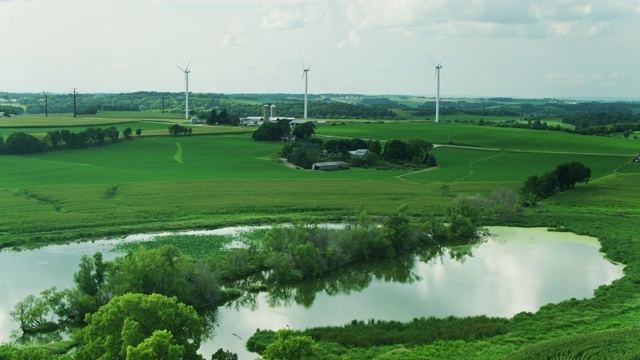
x=347, y=280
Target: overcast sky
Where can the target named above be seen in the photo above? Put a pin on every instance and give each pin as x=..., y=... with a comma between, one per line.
x=542, y=48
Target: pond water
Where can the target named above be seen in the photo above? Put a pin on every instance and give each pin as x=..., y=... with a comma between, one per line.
x=515, y=270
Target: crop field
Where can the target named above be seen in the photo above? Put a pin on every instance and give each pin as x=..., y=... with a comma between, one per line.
x=487, y=136
x=162, y=182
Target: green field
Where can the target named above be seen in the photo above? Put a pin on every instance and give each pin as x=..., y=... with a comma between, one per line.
x=160, y=183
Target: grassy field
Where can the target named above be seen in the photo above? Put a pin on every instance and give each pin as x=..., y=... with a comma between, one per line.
x=193, y=182
x=161, y=183
x=487, y=136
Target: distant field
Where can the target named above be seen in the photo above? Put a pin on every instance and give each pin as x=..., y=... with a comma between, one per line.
x=487, y=136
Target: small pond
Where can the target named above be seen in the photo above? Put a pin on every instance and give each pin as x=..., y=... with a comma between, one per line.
x=515, y=270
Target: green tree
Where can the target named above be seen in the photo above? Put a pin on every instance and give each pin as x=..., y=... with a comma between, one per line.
x=289, y=347
x=139, y=132
x=569, y=174
x=30, y=314
x=23, y=143
x=304, y=130
x=127, y=133
x=375, y=147
x=126, y=321
x=212, y=119
x=271, y=131
x=418, y=149
x=91, y=275
x=222, y=354
x=159, y=346
x=395, y=150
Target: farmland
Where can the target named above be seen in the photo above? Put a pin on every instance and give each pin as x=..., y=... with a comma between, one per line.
x=163, y=183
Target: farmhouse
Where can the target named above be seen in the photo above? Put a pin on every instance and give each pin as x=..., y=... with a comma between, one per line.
x=330, y=165
x=360, y=153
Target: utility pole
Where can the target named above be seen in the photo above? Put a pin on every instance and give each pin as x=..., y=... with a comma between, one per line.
x=46, y=104
x=74, y=102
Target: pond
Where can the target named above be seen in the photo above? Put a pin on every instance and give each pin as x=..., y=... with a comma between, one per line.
x=515, y=270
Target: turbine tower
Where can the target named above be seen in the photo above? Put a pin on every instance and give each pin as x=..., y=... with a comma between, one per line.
x=186, y=72
x=438, y=67
x=305, y=75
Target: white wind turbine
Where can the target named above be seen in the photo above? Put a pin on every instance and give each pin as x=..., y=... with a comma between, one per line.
x=186, y=72
x=305, y=75
x=438, y=67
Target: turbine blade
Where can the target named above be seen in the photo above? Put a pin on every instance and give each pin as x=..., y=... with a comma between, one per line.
x=302, y=62
x=434, y=64
x=189, y=63
x=181, y=69
x=443, y=59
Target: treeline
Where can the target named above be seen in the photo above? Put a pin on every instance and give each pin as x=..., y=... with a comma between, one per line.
x=565, y=176
x=23, y=143
x=11, y=110
x=287, y=105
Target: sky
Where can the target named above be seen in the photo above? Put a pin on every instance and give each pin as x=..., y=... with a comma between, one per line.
x=487, y=48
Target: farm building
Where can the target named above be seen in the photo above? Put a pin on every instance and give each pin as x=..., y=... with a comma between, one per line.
x=330, y=165
x=360, y=153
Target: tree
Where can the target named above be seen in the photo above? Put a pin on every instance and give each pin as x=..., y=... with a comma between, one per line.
x=375, y=147
x=418, y=149
x=304, y=130
x=139, y=132
x=159, y=346
x=127, y=133
x=271, y=131
x=289, y=346
x=128, y=323
x=212, y=119
x=224, y=117
x=91, y=275
x=23, y=143
x=431, y=161
x=395, y=150
x=113, y=133
x=569, y=174
x=222, y=354
x=30, y=313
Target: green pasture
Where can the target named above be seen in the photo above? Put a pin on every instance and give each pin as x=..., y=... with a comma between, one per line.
x=150, y=159
x=487, y=136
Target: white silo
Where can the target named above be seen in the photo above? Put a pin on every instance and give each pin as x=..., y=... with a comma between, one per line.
x=273, y=110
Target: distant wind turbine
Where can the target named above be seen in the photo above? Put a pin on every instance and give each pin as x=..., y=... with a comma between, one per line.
x=186, y=72
x=305, y=75
x=438, y=67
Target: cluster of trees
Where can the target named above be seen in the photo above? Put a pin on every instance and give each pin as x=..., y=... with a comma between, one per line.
x=223, y=117
x=23, y=143
x=565, y=176
x=175, y=130
x=11, y=110
x=269, y=131
x=124, y=302
x=415, y=152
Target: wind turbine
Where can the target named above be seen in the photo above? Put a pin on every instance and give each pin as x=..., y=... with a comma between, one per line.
x=438, y=67
x=305, y=75
x=186, y=72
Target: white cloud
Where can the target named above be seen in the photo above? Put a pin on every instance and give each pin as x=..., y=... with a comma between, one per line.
x=353, y=39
